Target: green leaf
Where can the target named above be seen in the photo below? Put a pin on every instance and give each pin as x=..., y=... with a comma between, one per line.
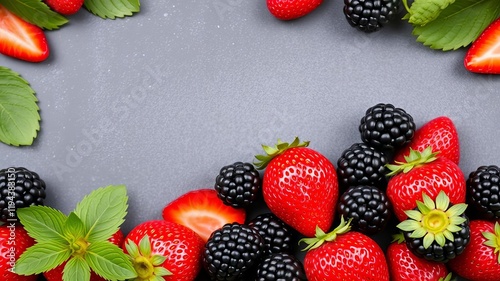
x=109, y=261
x=44, y=224
x=19, y=118
x=76, y=269
x=424, y=11
x=112, y=8
x=458, y=25
x=35, y=12
x=74, y=228
x=102, y=212
x=42, y=257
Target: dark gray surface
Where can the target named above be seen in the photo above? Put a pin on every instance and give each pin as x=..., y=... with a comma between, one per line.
x=160, y=101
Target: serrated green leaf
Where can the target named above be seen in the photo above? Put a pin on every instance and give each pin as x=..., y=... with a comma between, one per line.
x=42, y=257
x=102, y=212
x=73, y=228
x=424, y=11
x=35, y=12
x=19, y=117
x=458, y=25
x=43, y=223
x=76, y=269
x=112, y=8
x=109, y=261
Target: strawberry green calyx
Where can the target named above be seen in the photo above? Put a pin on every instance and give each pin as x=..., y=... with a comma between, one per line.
x=398, y=238
x=448, y=277
x=414, y=159
x=271, y=152
x=493, y=240
x=147, y=266
x=434, y=221
x=322, y=237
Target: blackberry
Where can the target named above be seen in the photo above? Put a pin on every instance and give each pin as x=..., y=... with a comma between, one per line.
x=370, y=15
x=277, y=235
x=19, y=187
x=386, y=127
x=238, y=185
x=367, y=206
x=361, y=164
x=232, y=251
x=280, y=266
x=483, y=188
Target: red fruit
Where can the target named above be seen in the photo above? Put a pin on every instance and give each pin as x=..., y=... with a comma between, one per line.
x=291, y=9
x=299, y=186
x=202, y=211
x=56, y=274
x=484, y=55
x=481, y=259
x=344, y=255
x=14, y=240
x=65, y=7
x=20, y=39
x=177, y=248
x=426, y=173
x=405, y=266
x=440, y=134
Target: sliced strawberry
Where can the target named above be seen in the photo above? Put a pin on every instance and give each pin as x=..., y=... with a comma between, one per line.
x=20, y=39
x=484, y=54
x=202, y=211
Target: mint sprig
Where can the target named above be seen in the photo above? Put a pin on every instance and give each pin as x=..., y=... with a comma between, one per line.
x=35, y=12
x=79, y=239
x=111, y=9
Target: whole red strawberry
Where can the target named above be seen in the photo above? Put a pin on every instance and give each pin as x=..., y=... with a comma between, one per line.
x=299, y=186
x=65, y=7
x=14, y=240
x=344, y=255
x=291, y=9
x=441, y=134
x=165, y=249
x=481, y=259
x=423, y=172
x=405, y=266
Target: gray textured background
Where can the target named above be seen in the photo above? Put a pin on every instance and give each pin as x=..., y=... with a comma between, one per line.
x=160, y=101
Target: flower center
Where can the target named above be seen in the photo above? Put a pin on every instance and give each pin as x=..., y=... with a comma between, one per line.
x=144, y=267
x=435, y=221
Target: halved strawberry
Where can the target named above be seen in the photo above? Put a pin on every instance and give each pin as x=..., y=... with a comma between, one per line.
x=484, y=54
x=20, y=39
x=202, y=211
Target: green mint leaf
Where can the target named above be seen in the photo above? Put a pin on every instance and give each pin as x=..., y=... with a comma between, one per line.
x=42, y=257
x=76, y=269
x=19, y=118
x=102, y=212
x=73, y=228
x=424, y=11
x=112, y=8
x=458, y=25
x=35, y=12
x=109, y=261
x=44, y=224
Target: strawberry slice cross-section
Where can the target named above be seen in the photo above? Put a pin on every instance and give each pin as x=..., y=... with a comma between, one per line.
x=484, y=54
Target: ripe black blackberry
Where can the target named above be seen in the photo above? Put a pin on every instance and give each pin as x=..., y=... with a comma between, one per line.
x=232, y=251
x=281, y=266
x=361, y=164
x=19, y=187
x=367, y=206
x=370, y=15
x=277, y=235
x=238, y=185
x=386, y=127
x=483, y=188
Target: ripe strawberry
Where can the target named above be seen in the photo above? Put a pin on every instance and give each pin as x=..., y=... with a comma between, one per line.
x=202, y=211
x=20, y=39
x=344, y=255
x=405, y=266
x=65, y=7
x=56, y=274
x=441, y=134
x=481, y=259
x=14, y=240
x=299, y=186
x=291, y=9
x=423, y=172
x=165, y=249
x=484, y=55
